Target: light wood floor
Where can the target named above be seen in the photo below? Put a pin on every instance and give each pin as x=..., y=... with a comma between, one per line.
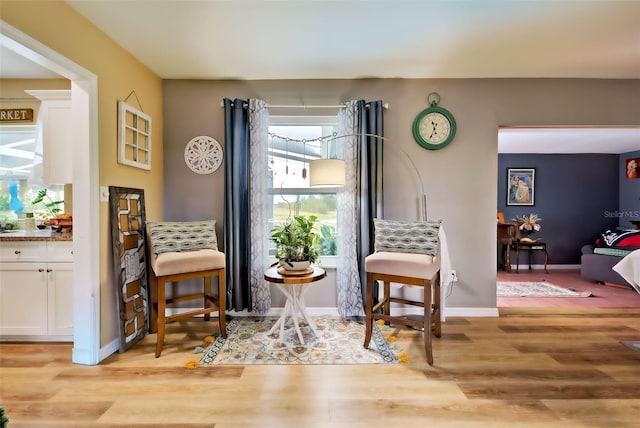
x=528, y=368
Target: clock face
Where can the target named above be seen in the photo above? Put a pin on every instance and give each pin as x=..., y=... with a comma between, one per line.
x=434, y=128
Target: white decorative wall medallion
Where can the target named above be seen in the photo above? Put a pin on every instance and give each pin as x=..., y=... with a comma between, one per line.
x=203, y=155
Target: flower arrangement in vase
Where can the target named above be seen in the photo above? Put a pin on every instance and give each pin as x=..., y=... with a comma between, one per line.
x=528, y=224
x=295, y=242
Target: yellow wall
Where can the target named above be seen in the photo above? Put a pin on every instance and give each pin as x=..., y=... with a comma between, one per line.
x=58, y=26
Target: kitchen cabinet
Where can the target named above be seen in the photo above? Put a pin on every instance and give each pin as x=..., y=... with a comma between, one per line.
x=36, y=290
x=54, y=130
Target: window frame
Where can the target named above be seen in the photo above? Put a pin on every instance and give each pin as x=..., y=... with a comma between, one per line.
x=306, y=120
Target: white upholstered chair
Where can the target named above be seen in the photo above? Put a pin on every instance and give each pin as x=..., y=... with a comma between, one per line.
x=180, y=251
x=405, y=253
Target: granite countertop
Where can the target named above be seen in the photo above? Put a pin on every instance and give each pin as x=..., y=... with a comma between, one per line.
x=37, y=235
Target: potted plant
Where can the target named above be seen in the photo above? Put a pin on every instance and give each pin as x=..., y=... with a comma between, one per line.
x=52, y=212
x=295, y=242
x=52, y=207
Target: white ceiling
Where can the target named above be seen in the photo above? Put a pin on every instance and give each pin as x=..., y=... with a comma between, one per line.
x=302, y=39
x=305, y=39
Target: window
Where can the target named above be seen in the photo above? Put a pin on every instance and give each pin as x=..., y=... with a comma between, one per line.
x=21, y=173
x=293, y=143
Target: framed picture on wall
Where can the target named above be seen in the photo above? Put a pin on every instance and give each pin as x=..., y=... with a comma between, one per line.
x=521, y=186
x=632, y=168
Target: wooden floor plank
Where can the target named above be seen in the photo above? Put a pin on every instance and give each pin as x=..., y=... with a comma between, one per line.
x=536, y=369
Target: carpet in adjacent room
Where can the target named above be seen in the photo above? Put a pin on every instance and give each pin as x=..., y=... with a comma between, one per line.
x=536, y=289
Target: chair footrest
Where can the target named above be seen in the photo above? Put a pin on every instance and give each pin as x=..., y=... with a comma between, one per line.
x=406, y=301
x=400, y=320
x=189, y=314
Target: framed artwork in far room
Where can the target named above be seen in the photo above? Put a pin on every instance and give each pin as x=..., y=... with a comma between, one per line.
x=521, y=186
x=632, y=168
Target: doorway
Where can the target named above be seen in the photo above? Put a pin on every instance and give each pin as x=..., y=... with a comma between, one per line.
x=86, y=268
x=558, y=154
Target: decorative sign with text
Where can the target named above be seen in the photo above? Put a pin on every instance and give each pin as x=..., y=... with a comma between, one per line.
x=16, y=114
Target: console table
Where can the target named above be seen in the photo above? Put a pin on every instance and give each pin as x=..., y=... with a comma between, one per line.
x=530, y=247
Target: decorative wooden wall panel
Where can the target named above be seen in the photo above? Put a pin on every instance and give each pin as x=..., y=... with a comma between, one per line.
x=130, y=263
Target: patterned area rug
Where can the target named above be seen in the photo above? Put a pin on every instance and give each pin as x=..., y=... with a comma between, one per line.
x=537, y=289
x=340, y=342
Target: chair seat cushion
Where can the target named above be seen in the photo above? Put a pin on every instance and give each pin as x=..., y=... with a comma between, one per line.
x=189, y=261
x=403, y=264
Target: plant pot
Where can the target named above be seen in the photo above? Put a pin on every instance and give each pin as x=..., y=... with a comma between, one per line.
x=296, y=265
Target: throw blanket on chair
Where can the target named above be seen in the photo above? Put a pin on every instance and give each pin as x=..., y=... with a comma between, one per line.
x=629, y=269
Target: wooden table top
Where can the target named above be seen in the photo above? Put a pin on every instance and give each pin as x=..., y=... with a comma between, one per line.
x=272, y=275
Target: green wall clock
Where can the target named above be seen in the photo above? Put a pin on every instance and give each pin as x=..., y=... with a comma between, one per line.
x=434, y=127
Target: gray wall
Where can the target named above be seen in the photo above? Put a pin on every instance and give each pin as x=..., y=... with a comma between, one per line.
x=460, y=180
x=629, y=208
x=574, y=196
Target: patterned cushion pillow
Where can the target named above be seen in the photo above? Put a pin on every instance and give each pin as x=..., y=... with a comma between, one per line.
x=418, y=237
x=175, y=236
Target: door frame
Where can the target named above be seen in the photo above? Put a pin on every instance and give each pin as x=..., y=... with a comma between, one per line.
x=86, y=221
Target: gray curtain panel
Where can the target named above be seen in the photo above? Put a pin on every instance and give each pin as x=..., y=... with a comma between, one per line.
x=237, y=231
x=369, y=179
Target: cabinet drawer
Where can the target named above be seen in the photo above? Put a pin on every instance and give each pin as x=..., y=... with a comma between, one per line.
x=18, y=251
x=60, y=251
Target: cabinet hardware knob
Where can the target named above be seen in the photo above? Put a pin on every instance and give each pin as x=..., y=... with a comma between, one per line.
x=49, y=270
x=40, y=270
x=17, y=252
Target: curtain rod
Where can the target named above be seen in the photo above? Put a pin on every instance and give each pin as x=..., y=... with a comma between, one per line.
x=303, y=106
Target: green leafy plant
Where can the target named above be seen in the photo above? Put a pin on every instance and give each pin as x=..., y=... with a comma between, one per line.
x=328, y=242
x=4, y=420
x=43, y=199
x=295, y=240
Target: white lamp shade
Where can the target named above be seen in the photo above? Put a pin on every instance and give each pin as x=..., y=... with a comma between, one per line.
x=327, y=172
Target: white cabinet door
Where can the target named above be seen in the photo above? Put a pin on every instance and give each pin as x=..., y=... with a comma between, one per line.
x=60, y=299
x=59, y=251
x=22, y=251
x=56, y=139
x=23, y=299
x=54, y=123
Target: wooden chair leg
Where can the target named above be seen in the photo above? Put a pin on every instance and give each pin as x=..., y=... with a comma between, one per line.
x=436, y=308
x=153, y=298
x=206, y=301
x=222, y=302
x=427, y=321
x=386, y=296
x=368, y=310
x=160, y=316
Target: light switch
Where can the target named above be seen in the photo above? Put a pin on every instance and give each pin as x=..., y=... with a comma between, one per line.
x=104, y=194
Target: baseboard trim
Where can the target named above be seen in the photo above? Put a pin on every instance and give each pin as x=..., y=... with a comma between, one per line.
x=110, y=348
x=541, y=267
x=276, y=312
x=472, y=312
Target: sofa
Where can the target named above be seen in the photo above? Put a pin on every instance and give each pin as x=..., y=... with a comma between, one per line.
x=611, y=247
